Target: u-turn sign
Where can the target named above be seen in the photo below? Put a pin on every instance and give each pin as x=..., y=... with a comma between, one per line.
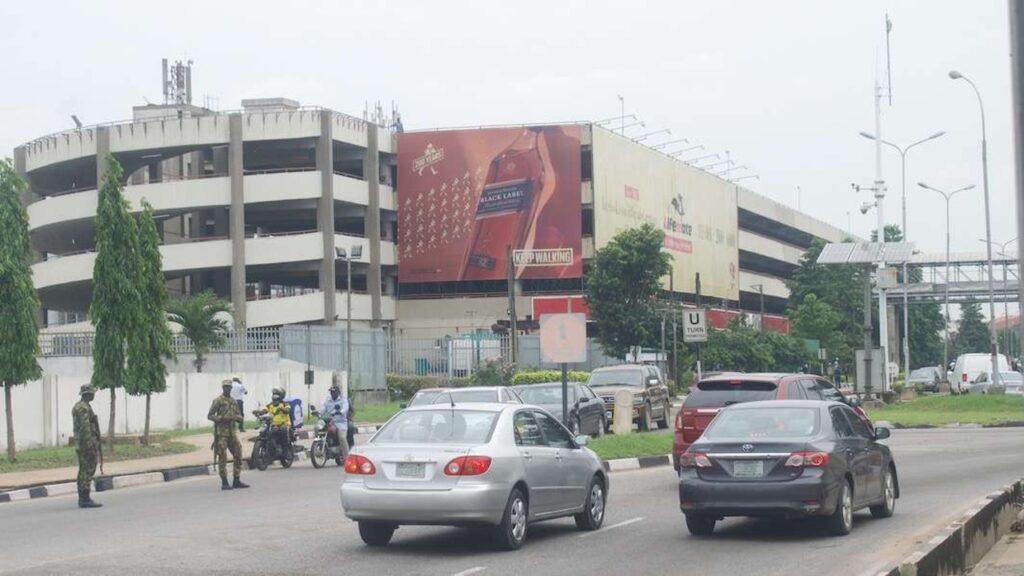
x=694, y=326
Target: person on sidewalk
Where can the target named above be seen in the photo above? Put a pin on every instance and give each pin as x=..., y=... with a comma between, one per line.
x=224, y=414
x=336, y=406
x=87, y=444
x=238, y=393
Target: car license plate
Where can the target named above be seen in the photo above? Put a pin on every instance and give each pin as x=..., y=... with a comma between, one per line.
x=409, y=470
x=748, y=468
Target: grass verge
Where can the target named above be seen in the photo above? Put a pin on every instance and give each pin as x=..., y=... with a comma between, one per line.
x=634, y=445
x=942, y=410
x=65, y=456
x=375, y=413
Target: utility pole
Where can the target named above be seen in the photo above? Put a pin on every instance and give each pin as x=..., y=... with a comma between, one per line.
x=513, y=332
x=883, y=320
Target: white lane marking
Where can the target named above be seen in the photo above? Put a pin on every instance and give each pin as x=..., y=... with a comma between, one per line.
x=614, y=526
x=473, y=570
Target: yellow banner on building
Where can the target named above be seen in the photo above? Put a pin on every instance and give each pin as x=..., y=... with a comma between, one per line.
x=634, y=184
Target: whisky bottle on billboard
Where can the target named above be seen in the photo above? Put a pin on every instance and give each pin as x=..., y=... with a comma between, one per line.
x=507, y=207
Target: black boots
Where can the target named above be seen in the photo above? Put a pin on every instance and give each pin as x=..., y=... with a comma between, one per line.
x=239, y=484
x=236, y=484
x=224, y=483
x=85, y=501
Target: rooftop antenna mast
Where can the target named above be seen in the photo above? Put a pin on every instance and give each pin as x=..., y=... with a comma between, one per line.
x=177, y=82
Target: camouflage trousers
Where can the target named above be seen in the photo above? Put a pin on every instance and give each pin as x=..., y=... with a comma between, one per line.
x=221, y=445
x=87, y=460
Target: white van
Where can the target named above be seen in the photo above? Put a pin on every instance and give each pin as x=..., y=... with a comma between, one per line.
x=969, y=367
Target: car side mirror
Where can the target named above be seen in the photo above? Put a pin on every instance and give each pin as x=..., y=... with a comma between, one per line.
x=882, y=433
x=403, y=406
x=854, y=401
x=582, y=440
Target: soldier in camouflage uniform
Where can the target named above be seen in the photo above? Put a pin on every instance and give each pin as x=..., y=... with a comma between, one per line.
x=225, y=416
x=87, y=444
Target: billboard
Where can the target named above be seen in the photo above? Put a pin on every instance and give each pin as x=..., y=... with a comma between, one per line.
x=634, y=185
x=466, y=196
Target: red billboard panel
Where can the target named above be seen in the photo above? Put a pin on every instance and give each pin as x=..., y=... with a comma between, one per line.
x=465, y=196
x=559, y=305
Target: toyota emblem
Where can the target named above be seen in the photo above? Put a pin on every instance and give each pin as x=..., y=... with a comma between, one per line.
x=748, y=448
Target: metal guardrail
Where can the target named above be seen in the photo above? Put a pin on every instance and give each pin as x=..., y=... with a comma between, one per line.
x=81, y=343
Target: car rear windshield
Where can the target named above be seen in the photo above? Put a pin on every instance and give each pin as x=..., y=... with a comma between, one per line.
x=548, y=394
x=771, y=423
x=440, y=426
x=728, y=392
x=616, y=378
x=923, y=373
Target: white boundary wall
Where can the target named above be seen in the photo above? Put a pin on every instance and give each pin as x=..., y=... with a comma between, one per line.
x=42, y=409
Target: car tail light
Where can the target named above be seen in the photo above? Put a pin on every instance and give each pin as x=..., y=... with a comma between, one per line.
x=694, y=460
x=468, y=466
x=356, y=464
x=679, y=421
x=807, y=460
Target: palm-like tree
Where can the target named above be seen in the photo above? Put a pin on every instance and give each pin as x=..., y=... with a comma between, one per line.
x=197, y=316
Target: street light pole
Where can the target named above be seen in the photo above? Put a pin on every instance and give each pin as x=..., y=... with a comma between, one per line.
x=1006, y=303
x=993, y=345
x=906, y=278
x=945, y=328
x=760, y=291
x=352, y=253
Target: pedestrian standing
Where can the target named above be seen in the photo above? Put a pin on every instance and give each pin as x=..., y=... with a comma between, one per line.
x=238, y=393
x=87, y=444
x=224, y=414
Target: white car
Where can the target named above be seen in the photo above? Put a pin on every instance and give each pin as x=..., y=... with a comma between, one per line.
x=1009, y=383
x=969, y=367
x=1013, y=383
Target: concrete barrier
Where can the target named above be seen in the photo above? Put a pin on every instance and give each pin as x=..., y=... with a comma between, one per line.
x=962, y=544
x=137, y=479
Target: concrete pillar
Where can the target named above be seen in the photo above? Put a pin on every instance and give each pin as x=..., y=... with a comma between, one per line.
x=102, y=149
x=325, y=213
x=371, y=169
x=237, y=219
x=29, y=196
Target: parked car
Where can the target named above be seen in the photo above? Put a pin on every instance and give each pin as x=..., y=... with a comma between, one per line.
x=1013, y=383
x=984, y=385
x=586, y=410
x=501, y=466
x=712, y=394
x=651, y=402
x=928, y=377
x=791, y=459
x=499, y=394
x=969, y=366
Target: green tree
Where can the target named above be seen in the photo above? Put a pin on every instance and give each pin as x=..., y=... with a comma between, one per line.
x=745, y=349
x=972, y=331
x=19, y=302
x=197, y=316
x=622, y=289
x=148, y=349
x=814, y=319
x=115, y=299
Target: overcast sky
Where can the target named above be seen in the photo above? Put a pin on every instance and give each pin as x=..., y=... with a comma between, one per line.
x=784, y=85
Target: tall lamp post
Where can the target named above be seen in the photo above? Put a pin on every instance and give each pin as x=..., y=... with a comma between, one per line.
x=945, y=340
x=760, y=292
x=354, y=253
x=988, y=229
x=1006, y=303
x=906, y=278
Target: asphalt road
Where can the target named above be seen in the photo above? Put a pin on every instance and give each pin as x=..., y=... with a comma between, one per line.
x=290, y=521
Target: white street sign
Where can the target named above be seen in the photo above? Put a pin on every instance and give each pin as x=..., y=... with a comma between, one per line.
x=563, y=338
x=543, y=257
x=694, y=326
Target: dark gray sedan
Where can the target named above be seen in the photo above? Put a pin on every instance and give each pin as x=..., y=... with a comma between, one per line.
x=787, y=458
x=586, y=409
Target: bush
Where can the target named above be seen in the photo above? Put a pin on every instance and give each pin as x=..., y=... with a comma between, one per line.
x=402, y=387
x=493, y=373
x=541, y=376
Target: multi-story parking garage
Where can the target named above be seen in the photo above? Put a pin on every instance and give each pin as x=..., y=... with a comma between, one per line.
x=251, y=204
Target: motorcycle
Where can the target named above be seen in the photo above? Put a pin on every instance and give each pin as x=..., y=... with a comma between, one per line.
x=325, y=441
x=267, y=448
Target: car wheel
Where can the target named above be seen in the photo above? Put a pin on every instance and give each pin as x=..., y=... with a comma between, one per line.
x=376, y=533
x=888, y=505
x=593, y=513
x=666, y=411
x=511, y=533
x=645, y=419
x=700, y=525
x=841, y=521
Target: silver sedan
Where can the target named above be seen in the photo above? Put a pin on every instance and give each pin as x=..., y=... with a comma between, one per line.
x=497, y=465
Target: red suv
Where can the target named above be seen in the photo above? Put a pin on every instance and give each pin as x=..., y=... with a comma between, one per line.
x=712, y=394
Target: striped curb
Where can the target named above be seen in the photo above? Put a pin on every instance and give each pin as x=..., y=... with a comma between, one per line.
x=623, y=464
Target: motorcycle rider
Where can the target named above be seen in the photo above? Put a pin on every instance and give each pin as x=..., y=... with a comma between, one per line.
x=336, y=407
x=281, y=419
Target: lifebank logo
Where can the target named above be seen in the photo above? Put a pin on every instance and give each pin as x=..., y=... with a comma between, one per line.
x=430, y=157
